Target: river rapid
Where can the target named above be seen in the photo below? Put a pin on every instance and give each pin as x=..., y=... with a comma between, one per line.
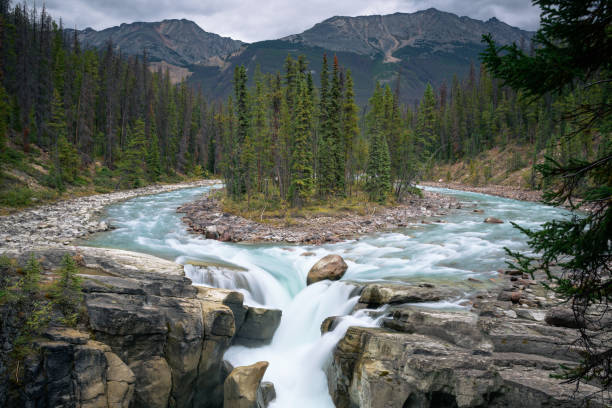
x=274, y=275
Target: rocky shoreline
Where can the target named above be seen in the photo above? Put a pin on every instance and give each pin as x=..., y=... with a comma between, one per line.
x=61, y=223
x=514, y=193
x=205, y=216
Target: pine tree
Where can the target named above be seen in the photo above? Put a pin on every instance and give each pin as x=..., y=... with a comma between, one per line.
x=131, y=171
x=301, y=160
x=154, y=167
x=378, y=171
x=4, y=118
x=66, y=159
x=66, y=291
x=350, y=127
x=324, y=167
x=336, y=142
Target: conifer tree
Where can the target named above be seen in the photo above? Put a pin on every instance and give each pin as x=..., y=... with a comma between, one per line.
x=66, y=159
x=350, y=127
x=154, y=167
x=301, y=161
x=378, y=171
x=130, y=167
x=324, y=165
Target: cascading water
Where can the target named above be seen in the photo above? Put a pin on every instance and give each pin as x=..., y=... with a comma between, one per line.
x=274, y=275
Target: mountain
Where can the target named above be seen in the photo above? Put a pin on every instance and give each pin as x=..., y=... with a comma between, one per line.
x=386, y=35
x=428, y=46
x=176, y=42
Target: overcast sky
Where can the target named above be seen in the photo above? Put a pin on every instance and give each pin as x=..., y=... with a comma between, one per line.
x=256, y=20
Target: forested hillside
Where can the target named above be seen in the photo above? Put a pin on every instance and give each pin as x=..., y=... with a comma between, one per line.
x=84, y=119
x=290, y=142
x=95, y=120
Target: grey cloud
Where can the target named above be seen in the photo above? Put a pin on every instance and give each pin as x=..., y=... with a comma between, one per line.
x=252, y=20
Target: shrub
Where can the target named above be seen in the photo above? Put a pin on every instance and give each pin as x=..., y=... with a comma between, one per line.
x=18, y=197
x=66, y=291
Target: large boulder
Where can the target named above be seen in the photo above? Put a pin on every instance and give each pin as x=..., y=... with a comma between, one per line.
x=563, y=317
x=258, y=327
x=376, y=294
x=331, y=267
x=242, y=387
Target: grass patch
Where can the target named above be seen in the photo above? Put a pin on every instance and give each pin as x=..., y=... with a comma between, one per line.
x=277, y=212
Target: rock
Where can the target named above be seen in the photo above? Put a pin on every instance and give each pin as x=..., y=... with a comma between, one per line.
x=308, y=253
x=329, y=324
x=563, y=317
x=478, y=211
x=330, y=267
x=376, y=294
x=493, y=220
x=241, y=387
x=268, y=392
x=380, y=368
x=160, y=339
x=259, y=326
x=515, y=297
x=211, y=232
x=535, y=315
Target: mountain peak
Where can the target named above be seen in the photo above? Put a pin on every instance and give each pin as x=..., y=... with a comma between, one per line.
x=178, y=42
x=385, y=34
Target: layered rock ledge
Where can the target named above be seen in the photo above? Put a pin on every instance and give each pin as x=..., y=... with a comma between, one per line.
x=150, y=338
x=496, y=351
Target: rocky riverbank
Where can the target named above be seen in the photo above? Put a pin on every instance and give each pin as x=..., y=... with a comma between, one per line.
x=61, y=223
x=205, y=216
x=515, y=193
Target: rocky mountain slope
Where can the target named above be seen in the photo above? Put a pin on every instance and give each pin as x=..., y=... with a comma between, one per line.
x=177, y=42
x=375, y=35
x=428, y=46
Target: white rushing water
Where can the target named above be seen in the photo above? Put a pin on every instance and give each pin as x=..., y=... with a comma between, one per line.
x=274, y=275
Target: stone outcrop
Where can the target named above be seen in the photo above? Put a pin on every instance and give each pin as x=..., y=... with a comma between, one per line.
x=493, y=220
x=376, y=294
x=159, y=340
x=499, y=354
x=331, y=267
x=258, y=327
x=70, y=369
x=242, y=388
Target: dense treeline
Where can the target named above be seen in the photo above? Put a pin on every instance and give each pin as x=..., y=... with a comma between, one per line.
x=479, y=114
x=282, y=139
x=84, y=106
x=287, y=139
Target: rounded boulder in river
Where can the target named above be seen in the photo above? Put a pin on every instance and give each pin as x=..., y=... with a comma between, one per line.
x=330, y=267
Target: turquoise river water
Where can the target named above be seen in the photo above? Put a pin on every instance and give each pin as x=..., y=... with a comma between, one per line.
x=274, y=275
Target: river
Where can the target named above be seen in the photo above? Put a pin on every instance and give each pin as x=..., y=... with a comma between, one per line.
x=274, y=275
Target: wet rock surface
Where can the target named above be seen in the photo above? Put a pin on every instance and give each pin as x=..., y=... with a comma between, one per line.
x=61, y=223
x=493, y=352
x=159, y=340
x=259, y=326
x=242, y=388
x=331, y=267
x=205, y=216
